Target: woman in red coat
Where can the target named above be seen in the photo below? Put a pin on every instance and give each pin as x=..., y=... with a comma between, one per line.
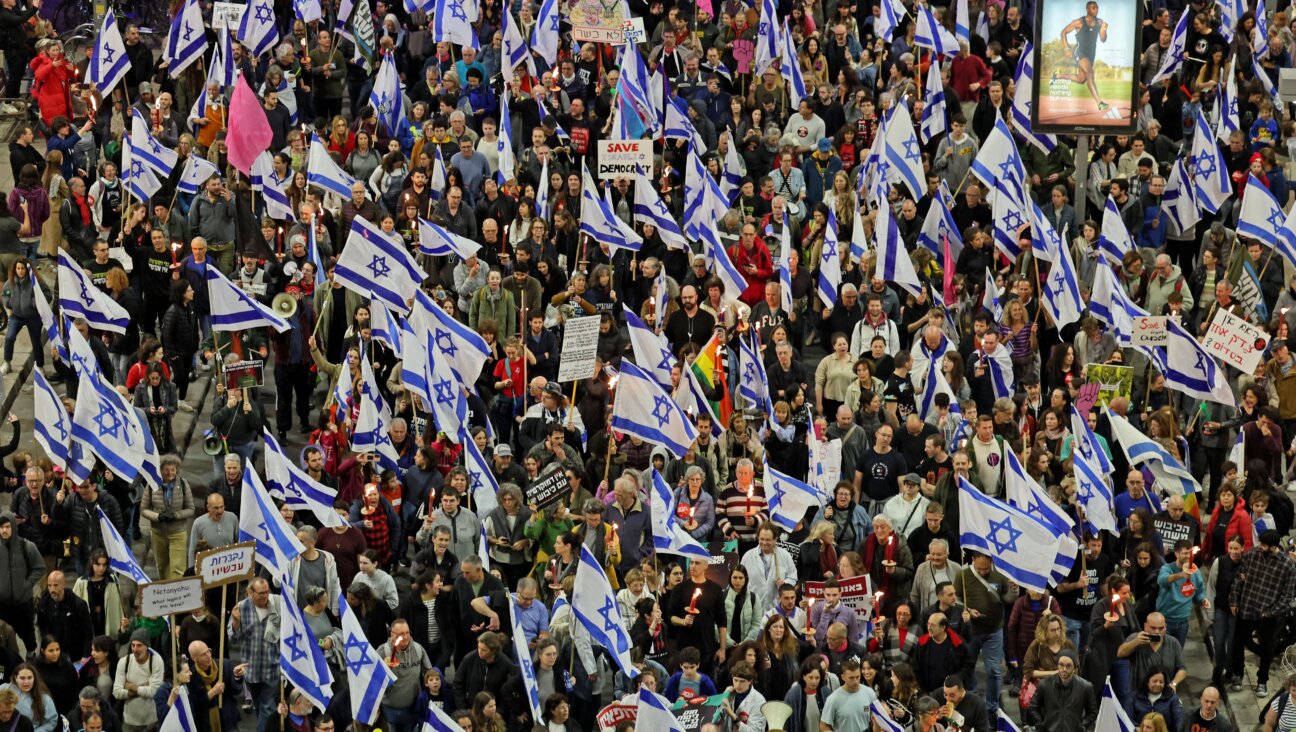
x=52, y=88
x=1229, y=519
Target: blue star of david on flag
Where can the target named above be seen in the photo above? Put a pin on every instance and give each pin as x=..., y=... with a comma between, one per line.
x=109, y=422
x=263, y=13
x=612, y=623
x=444, y=391
x=379, y=267
x=1204, y=165
x=829, y=251
x=661, y=410
x=1004, y=545
x=357, y=656
x=294, y=641
x=109, y=52
x=446, y=343
x=912, y=150
x=1012, y=220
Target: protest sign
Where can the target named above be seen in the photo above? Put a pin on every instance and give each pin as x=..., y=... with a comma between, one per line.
x=693, y=713
x=623, y=158
x=580, y=348
x=227, y=15
x=1235, y=341
x=227, y=565
x=616, y=713
x=549, y=490
x=1112, y=381
x=856, y=594
x=171, y=597
x=1150, y=330
x=244, y=375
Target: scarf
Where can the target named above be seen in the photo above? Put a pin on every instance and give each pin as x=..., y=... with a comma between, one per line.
x=1000, y=367
x=209, y=680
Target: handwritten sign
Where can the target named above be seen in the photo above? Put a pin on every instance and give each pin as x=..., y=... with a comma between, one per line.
x=227, y=15
x=580, y=347
x=228, y=564
x=614, y=714
x=1150, y=330
x=856, y=594
x=548, y=491
x=623, y=158
x=172, y=597
x=1235, y=341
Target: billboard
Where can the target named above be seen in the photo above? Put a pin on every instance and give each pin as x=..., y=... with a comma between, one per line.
x=1086, y=66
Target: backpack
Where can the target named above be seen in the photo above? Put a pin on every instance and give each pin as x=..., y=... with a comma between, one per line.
x=392, y=194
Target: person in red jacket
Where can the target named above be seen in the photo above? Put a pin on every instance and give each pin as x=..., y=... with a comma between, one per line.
x=969, y=75
x=752, y=258
x=53, y=75
x=1229, y=519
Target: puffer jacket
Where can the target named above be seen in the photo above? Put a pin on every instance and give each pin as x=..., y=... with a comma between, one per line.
x=23, y=568
x=52, y=88
x=154, y=503
x=180, y=334
x=20, y=297
x=82, y=521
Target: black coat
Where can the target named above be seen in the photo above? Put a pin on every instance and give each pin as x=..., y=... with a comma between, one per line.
x=180, y=332
x=68, y=620
x=475, y=675
x=413, y=611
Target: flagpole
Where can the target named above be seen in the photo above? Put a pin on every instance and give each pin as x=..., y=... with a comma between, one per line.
x=220, y=657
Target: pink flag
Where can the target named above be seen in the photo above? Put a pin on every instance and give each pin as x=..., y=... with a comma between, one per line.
x=249, y=132
x=948, y=289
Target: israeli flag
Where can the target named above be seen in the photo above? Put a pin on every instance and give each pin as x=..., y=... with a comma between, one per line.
x=1061, y=289
x=260, y=521
x=343, y=389
x=507, y=164
x=962, y=22
x=1008, y=209
x=597, y=609
x=1023, y=548
x=1180, y=200
x=385, y=327
x=300, y=657
x=120, y=557
x=1111, y=715
x=197, y=171
x=545, y=37
x=542, y=193
x=187, y=40
x=1263, y=75
x=1108, y=303
x=668, y=536
x=79, y=298
x=482, y=485
x=790, y=66
x=414, y=365
x=1211, y=181
x=435, y=241
x=1226, y=104
x=449, y=407
x=678, y=125
x=377, y=265
x=180, y=718
x=933, y=35
x=233, y=310
x=294, y=486
x=878, y=709
x=650, y=350
x=136, y=177
x=939, y=225
x=830, y=273
x=649, y=209
x=892, y=13
x=151, y=468
x=1261, y=218
x=1004, y=723
x=372, y=431
x=904, y=153
x=753, y=384
x=596, y=218
x=462, y=346
x=724, y=269
x=53, y=425
x=789, y=498
x=223, y=68
x=1114, y=240
x=999, y=162
x=323, y=172
x=48, y=323
x=513, y=52
x=893, y=263
x=858, y=239
x=1173, y=58
x=82, y=357
x=692, y=399
x=655, y=713
x=732, y=170
x=1092, y=466
x=769, y=44
x=257, y=31
x=701, y=208
x=544, y=115
x=1193, y=371
x=1001, y=371
x=387, y=96
x=990, y=300
x=526, y=668
x=636, y=88
x=435, y=720
x=1021, y=106
x=107, y=425
x=934, y=116
x=272, y=190
x=452, y=23
x=644, y=410
x=785, y=266
x=368, y=675
x=936, y=383
x=108, y=62
x=1026, y=494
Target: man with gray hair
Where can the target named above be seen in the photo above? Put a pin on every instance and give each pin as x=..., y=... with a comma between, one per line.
x=1167, y=278
x=466, y=623
x=90, y=701
x=314, y=568
x=248, y=623
x=168, y=509
x=229, y=484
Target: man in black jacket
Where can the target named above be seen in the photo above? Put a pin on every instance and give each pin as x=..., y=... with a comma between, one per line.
x=21, y=151
x=78, y=224
x=65, y=616
x=464, y=619
x=23, y=568
x=142, y=64
x=485, y=669
x=13, y=38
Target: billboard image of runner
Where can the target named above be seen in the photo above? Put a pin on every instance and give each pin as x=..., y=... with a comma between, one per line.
x=1086, y=66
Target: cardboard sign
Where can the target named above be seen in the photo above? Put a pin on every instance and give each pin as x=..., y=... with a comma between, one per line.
x=171, y=597
x=614, y=714
x=244, y=375
x=1235, y=342
x=1112, y=381
x=631, y=30
x=1150, y=330
x=227, y=15
x=579, y=348
x=856, y=594
x=227, y=565
x=624, y=159
x=548, y=491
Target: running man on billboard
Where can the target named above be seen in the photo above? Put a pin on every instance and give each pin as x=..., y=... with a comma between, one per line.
x=1089, y=30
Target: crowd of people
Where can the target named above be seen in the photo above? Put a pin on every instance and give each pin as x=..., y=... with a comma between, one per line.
x=948, y=640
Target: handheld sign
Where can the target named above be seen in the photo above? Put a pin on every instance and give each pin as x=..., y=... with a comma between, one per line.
x=1235, y=342
x=548, y=491
x=227, y=565
x=1150, y=330
x=579, y=348
x=171, y=597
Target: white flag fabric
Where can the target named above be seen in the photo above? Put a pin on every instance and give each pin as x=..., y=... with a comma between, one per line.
x=990, y=300
x=768, y=43
x=1022, y=548
x=651, y=351
x=300, y=657
x=935, y=120
x=1211, y=182
x=1021, y=108
x=1193, y=371
x=1111, y=715
x=1114, y=240
x=1025, y=493
x=368, y=674
x=136, y=177
x=120, y=557
x=597, y=609
x=545, y=38
x=1168, y=473
x=187, y=39
x=1180, y=200
x=160, y=158
x=462, y=346
x=939, y=225
x=668, y=536
x=273, y=191
x=53, y=426
x=649, y=208
x=257, y=31
x=1092, y=468
x=933, y=35
x=1061, y=289
x=790, y=66
x=378, y=265
x=323, y=172
x=904, y=153
x=259, y=521
x=655, y=713
x=372, y=431
x=197, y=171
x=1226, y=103
x=644, y=410
x=482, y=485
x=999, y=163
x=1173, y=57
x=893, y=262
x=513, y=52
x=436, y=241
x=387, y=96
x=789, y=498
x=526, y=668
x=449, y=406
x=180, y=718
x=109, y=62
x=79, y=298
x=106, y=424
x=233, y=310
x=435, y=720
x=1262, y=218
x=830, y=273
x=451, y=23
x=294, y=486
x=507, y=163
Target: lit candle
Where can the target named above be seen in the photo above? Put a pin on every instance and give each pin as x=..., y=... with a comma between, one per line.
x=553, y=570
x=809, y=614
x=279, y=242
x=175, y=247
x=751, y=491
x=612, y=539
x=877, y=598
x=693, y=603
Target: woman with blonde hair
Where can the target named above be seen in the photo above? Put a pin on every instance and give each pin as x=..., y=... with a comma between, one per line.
x=56, y=188
x=1040, y=660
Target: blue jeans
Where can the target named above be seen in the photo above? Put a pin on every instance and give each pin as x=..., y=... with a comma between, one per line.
x=990, y=647
x=1178, y=629
x=1073, y=630
x=1222, y=633
x=1123, y=683
x=264, y=697
x=33, y=326
x=399, y=720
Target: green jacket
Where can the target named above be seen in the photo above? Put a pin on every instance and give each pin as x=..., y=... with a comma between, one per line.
x=502, y=310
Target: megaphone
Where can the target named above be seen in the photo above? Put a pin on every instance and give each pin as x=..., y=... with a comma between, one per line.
x=212, y=443
x=284, y=305
x=776, y=715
